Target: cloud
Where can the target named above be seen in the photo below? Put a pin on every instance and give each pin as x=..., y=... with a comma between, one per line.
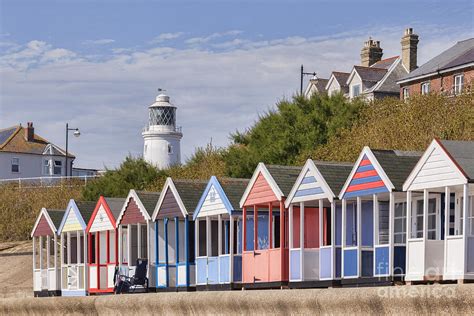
x=216, y=92
x=213, y=36
x=165, y=37
x=103, y=41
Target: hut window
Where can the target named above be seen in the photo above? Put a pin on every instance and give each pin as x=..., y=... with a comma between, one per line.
x=144, y=242
x=249, y=232
x=181, y=241
x=237, y=236
x=81, y=247
x=296, y=227
x=276, y=228
x=92, y=251
x=58, y=168
x=400, y=223
x=383, y=222
x=225, y=238
x=73, y=249
x=161, y=241
x=192, y=235
x=202, y=238
x=351, y=224
x=262, y=230
x=471, y=216
x=15, y=165
x=111, y=246
x=133, y=245
x=103, y=247
x=171, y=241
x=214, y=238
x=311, y=235
x=124, y=244
x=432, y=219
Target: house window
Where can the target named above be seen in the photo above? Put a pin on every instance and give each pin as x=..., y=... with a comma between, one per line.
x=58, y=167
x=458, y=84
x=46, y=164
x=425, y=87
x=355, y=90
x=406, y=93
x=170, y=149
x=15, y=165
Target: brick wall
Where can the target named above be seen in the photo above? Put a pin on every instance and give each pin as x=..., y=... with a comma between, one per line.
x=439, y=83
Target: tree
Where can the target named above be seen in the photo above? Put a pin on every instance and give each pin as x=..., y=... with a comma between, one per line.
x=133, y=173
x=298, y=126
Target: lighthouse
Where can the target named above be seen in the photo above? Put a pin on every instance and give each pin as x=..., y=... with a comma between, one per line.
x=161, y=135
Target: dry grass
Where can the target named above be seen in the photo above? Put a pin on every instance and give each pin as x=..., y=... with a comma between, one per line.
x=19, y=207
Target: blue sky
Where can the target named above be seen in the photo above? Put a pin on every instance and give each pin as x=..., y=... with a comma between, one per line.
x=97, y=64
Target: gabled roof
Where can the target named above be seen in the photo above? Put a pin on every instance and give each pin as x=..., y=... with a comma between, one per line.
x=53, y=217
x=385, y=63
x=463, y=154
x=145, y=201
x=12, y=139
x=86, y=208
x=390, y=167
x=341, y=79
x=115, y=205
x=279, y=178
x=186, y=192
x=230, y=191
x=83, y=210
x=316, y=83
x=319, y=180
x=388, y=83
x=397, y=164
x=461, y=54
x=370, y=74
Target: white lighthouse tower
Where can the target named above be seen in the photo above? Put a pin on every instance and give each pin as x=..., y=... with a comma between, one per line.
x=161, y=135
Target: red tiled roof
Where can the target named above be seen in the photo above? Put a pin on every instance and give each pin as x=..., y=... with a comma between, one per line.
x=385, y=63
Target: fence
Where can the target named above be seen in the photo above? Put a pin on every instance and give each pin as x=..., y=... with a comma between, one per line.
x=50, y=181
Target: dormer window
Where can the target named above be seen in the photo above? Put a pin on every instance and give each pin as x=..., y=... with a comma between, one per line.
x=355, y=89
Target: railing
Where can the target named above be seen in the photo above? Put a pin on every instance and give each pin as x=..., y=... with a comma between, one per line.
x=162, y=128
x=49, y=181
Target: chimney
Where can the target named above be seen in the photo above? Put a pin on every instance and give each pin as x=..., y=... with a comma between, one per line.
x=370, y=53
x=409, y=49
x=29, y=132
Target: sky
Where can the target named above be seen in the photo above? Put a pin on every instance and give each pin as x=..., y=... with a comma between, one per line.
x=98, y=64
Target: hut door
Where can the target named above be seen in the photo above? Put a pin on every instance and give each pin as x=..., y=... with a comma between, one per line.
x=72, y=278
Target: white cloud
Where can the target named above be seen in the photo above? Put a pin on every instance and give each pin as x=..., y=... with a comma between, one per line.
x=216, y=92
x=213, y=36
x=103, y=41
x=166, y=37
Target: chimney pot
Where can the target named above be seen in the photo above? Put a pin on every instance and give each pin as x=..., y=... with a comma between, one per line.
x=29, y=132
x=371, y=53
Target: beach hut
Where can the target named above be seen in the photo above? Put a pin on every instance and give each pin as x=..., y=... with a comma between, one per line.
x=374, y=217
x=73, y=235
x=315, y=224
x=174, y=230
x=265, y=226
x=46, y=271
x=218, y=228
x=136, y=232
x=440, y=222
x=103, y=244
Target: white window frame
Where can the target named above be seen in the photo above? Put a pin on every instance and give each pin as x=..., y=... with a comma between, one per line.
x=55, y=166
x=15, y=164
x=46, y=163
x=425, y=90
x=406, y=93
x=403, y=219
x=458, y=86
x=359, y=86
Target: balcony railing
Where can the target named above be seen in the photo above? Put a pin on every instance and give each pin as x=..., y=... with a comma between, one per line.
x=162, y=128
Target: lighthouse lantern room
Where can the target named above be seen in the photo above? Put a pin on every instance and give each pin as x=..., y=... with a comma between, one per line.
x=161, y=135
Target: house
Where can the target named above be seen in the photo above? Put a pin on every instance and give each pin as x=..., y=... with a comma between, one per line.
x=373, y=217
x=449, y=72
x=440, y=226
x=73, y=236
x=46, y=271
x=374, y=78
x=136, y=232
x=102, y=235
x=174, y=227
x=315, y=224
x=24, y=154
x=218, y=227
x=265, y=237
x=315, y=85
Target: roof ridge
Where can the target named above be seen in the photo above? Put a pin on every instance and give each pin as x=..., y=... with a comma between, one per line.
x=374, y=68
x=282, y=166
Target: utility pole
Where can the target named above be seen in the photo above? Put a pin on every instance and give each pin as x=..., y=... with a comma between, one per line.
x=302, y=74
